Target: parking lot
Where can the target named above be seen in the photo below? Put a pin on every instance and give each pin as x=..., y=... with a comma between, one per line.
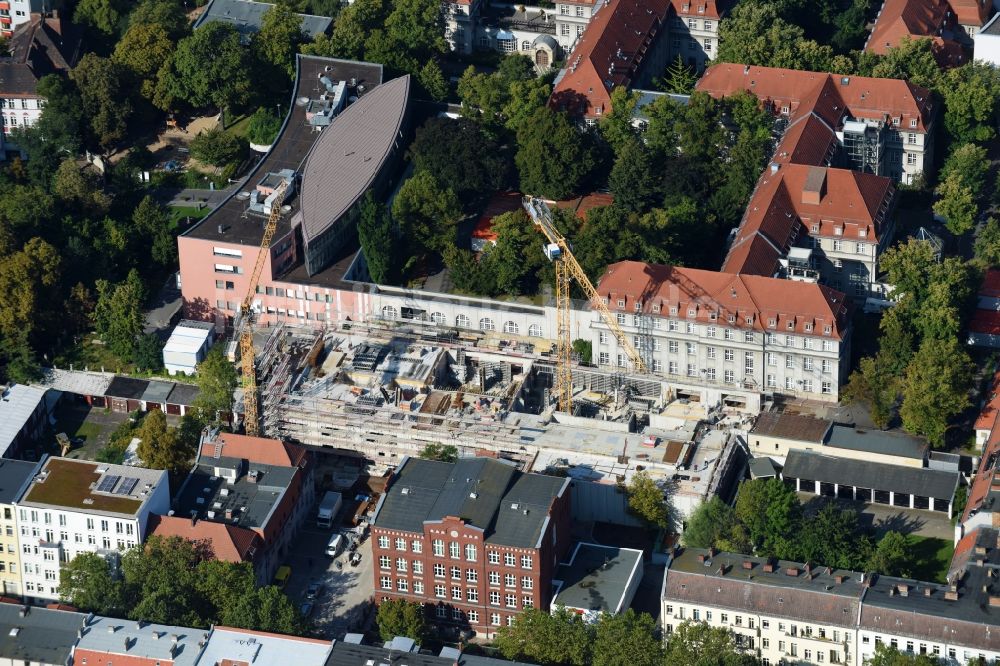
x=344, y=604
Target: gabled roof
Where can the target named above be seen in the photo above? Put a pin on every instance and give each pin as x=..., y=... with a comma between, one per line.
x=971, y=12
x=608, y=55
x=832, y=96
x=906, y=18
x=726, y=299
x=29, y=634
x=229, y=543
x=708, y=9
x=38, y=47
x=801, y=427
x=254, y=449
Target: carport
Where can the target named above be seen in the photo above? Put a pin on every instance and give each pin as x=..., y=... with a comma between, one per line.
x=155, y=395
x=125, y=393
x=181, y=398
x=881, y=483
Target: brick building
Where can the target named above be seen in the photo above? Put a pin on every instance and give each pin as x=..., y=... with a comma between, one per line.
x=477, y=541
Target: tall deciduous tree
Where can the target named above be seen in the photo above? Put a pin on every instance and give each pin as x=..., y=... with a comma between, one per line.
x=87, y=582
x=699, y=643
x=560, y=637
x=911, y=60
x=892, y=555
x=168, y=14
x=755, y=34
x=873, y=383
x=553, y=158
x=936, y=388
x=142, y=50
x=971, y=96
x=987, y=246
x=118, y=316
x=646, y=500
x=105, y=97
x=627, y=639
x=770, y=513
x=378, y=242
x=957, y=204
x=29, y=281
x=709, y=525
x=426, y=212
x=212, y=68
x=217, y=381
x=278, y=39
x=104, y=17
x=161, y=447
x=399, y=617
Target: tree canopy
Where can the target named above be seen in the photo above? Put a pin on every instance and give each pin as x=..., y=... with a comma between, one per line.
x=398, y=617
x=217, y=381
x=646, y=500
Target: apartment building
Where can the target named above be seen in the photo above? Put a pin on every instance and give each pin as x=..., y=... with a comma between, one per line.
x=475, y=541
x=16, y=13
x=15, y=476
x=813, y=223
x=40, y=45
x=715, y=335
x=31, y=636
x=108, y=641
x=460, y=19
x=783, y=612
x=264, y=486
x=75, y=506
x=694, y=31
x=919, y=19
x=879, y=126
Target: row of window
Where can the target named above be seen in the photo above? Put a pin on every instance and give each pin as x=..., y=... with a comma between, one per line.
x=693, y=24
x=456, y=573
x=564, y=10
x=120, y=527
x=646, y=342
x=455, y=551
x=924, y=649
x=463, y=321
x=693, y=45
x=18, y=103
x=642, y=321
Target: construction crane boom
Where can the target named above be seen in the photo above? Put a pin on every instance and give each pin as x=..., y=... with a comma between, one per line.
x=243, y=326
x=568, y=269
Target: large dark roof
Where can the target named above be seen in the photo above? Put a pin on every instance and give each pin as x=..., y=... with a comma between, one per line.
x=43, y=636
x=819, y=595
x=597, y=577
x=791, y=426
x=933, y=483
x=247, y=17
x=289, y=152
x=510, y=506
x=37, y=47
x=876, y=441
x=127, y=387
x=14, y=475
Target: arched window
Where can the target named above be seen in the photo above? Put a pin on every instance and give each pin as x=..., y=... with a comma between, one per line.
x=438, y=318
x=511, y=327
x=535, y=331
x=486, y=324
x=462, y=321
x=388, y=312
x=525, y=45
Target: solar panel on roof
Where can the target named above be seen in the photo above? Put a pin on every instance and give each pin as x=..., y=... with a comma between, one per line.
x=127, y=485
x=108, y=483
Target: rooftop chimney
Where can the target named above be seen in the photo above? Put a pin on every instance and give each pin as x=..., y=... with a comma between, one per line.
x=951, y=595
x=792, y=571
x=815, y=186
x=994, y=601
x=747, y=564
x=768, y=567
x=903, y=589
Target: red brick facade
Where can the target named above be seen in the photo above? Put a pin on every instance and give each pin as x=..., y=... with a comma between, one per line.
x=463, y=581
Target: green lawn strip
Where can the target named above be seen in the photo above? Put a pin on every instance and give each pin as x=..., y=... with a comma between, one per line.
x=931, y=557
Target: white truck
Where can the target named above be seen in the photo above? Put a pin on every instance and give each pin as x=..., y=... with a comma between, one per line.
x=328, y=509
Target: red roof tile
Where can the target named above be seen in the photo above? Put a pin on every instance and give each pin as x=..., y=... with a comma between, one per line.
x=229, y=543
x=741, y=301
x=608, y=54
x=986, y=322
x=255, y=449
x=972, y=12
x=906, y=18
x=991, y=284
x=696, y=8
x=988, y=416
x=582, y=205
x=499, y=203
x=831, y=96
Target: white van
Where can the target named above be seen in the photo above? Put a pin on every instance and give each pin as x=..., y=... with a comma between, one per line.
x=335, y=545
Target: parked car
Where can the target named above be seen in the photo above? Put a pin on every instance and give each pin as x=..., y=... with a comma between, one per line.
x=314, y=590
x=306, y=609
x=281, y=578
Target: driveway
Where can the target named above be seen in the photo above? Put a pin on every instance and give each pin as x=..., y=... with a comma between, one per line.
x=344, y=604
x=93, y=425
x=879, y=518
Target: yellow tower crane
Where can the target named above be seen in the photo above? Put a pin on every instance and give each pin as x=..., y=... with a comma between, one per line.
x=568, y=268
x=243, y=326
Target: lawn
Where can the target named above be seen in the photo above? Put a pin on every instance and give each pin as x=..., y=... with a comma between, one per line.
x=91, y=355
x=239, y=128
x=931, y=557
x=178, y=213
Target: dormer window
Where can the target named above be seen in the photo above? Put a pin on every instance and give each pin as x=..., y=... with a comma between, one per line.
x=712, y=316
x=656, y=309
x=895, y=122
x=809, y=328
x=638, y=306
x=692, y=312
x=732, y=319
x=784, y=110
x=862, y=232
x=838, y=231
x=605, y=299
x=771, y=323
x=673, y=309
x=827, y=330
x=621, y=302
x=815, y=228
x=749, y=321
x=791, y=324
x=913, y=122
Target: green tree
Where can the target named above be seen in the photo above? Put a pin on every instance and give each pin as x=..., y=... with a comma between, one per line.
x=908, y=268
x=87, y=583
x=616, y=127
x=398, y=617
x=118, y=317
x=17, y=359
x=832, y=537
x=873, y=383
x=433, y=81
x=627, y=639
x=415, y=28
x=560, y=637
x=936, y=388
x=525, y=97
x=911, y=60
x=218, y=147
x=771, y=513
x=216, y=378
x=29, y=279
x=169, y=14
x=987, y=246
x=426, y=212
x=957, y=204
x=585, y=349
x=378, y=242
x=148, y=353
x=516, y=261
x=971, y=94
x=161, y=447
x=104, y=17
x=442, y=452
x=709, y=525
x=553, y=158
x=80, y=189
x=634, y=180
x=891, y=556
x=971, y=164
x=263, y=127
x=278, y=40
x=646, y=500
x=754, y=34
x=152, y=222
x=212, y=68
x=142, y=50
x=679, y=78
x=60, y=128
x=700, y=644
x=105, y=99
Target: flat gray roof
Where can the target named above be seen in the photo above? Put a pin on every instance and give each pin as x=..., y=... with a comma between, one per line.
x=41, y=636
x=936, y=484
x=247, y=17
x=350, y=153
x=157, y=391
x=153, y=642
x=15, y=475
x=597, y=577
x=877, y=441
x=17, y=405
x=251, y=503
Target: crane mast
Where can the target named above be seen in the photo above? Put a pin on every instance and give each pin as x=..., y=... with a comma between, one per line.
x=243, y=326
x=568, y=269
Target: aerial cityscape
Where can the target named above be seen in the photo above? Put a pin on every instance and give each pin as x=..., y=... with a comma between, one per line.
x=467, y=332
